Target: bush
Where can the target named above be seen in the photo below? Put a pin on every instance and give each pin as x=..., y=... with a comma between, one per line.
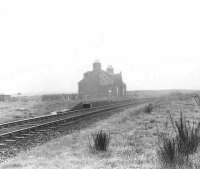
x=100, y=140
x=197, y=99
x=148, y=108
x=187, y=137
x=167, y=153
x=175, y=151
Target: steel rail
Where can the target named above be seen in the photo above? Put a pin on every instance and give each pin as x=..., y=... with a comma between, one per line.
x=46, y=117
x=57, y=121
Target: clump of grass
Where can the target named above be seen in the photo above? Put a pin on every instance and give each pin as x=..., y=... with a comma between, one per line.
x=148, y=108
x=175, y=151
x=167, y=153
x=187, y=136
x=100, y=141
x=197, y=99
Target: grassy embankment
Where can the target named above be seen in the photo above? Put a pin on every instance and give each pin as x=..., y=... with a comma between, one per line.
x=133, y=140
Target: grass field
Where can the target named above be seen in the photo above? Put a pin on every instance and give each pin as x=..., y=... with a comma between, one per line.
x=134, y=140
x=30, y=107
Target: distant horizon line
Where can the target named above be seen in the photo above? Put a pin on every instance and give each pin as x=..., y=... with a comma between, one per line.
x=72, y=92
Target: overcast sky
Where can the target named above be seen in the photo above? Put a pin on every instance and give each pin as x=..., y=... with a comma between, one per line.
x=46, y=46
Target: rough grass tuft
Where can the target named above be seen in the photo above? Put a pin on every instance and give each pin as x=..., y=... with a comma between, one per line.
x=175, y=151
x=187, y=137
x=197, y=99
x=148, y=108
x=167, y=152
x=101, y=141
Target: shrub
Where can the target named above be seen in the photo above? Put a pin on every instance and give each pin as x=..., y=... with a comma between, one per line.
x=175, y=150
x=197, y=99
x=167, y=153
x=100, y=140
x=148, y=108
x=187, y=137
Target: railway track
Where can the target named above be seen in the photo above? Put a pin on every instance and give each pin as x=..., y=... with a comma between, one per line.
x=15, y=133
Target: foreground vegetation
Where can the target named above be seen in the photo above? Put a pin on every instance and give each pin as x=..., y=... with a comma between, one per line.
x=131, y=139
x=100, y=141
x=175, y=151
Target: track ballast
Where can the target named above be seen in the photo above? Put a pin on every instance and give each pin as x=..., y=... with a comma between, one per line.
x=15, y=134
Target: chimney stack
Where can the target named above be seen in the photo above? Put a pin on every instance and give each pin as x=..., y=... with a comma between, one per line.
x=96, y=66
x=110, y=70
